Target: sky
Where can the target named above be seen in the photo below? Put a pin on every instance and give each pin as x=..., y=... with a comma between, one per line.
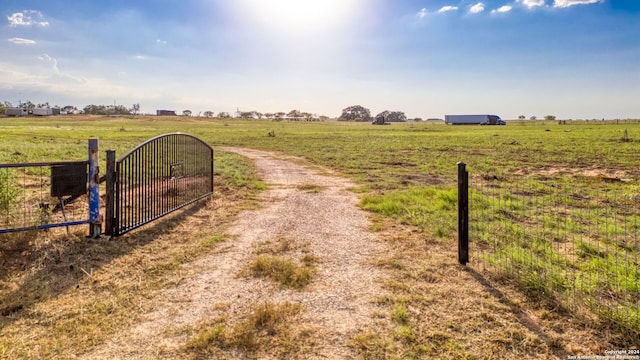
x=574, y=59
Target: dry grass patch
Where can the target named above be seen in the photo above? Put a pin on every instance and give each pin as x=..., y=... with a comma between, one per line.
x=282, y=270
x=273, y=261
x=310, y=188
x=265, y=329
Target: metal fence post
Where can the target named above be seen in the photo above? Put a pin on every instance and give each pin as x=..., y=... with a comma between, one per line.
x=110, y=189
x=463, y=214
x=95, y=222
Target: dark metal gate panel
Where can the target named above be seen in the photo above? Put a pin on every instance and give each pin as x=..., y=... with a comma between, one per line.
x=159, y=176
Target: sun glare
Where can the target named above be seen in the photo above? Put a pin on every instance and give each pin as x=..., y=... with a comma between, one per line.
x=300, y=17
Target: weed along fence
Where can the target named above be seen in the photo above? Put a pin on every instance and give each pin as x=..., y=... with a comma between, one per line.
x=36, y=196
x=155, y=178
x=578, y=244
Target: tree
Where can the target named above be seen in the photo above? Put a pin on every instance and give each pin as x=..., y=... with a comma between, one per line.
x=396, y=116
x=208, y=114
x=186, y=113
x=27, y=105
x=68, y=109
x=224, y=115
x=3, y=109
x=390, y=116
x=106, y=110
x=135, y=109
x=532, y=118
x=381, y=118
x=355, y=113
x=521, y=117
x=295, y=115
x=550, y=117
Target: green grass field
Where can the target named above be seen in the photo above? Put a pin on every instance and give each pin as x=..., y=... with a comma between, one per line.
x=406, y=174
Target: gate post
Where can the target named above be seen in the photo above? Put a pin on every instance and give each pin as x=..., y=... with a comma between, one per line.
x=110, y=189
x=95, y=222
x=463, y=214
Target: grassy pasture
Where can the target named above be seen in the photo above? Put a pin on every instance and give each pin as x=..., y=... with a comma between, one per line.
x=406, y=174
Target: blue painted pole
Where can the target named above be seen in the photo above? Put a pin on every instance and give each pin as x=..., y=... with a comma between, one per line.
x=94, y=190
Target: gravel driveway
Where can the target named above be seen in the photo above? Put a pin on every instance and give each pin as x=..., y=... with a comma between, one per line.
x=337, y=304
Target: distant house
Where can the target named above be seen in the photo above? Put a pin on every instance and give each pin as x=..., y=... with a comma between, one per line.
x=13, y=111
x=166, y=113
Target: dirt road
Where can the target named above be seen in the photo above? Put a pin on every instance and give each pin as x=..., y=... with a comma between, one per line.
x=317, y=215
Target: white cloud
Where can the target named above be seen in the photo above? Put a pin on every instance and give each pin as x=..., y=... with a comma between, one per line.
x=161, y=42
x=422, y=13
x=477, y=8
x=567, y=3
x=140, y=57
x=27, y=18
x=502, y=9
x=532, y=3
x=52, y=61
x=447, y=8
x=21, y=41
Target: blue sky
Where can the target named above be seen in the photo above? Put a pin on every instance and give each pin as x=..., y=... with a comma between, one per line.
x=568, y=58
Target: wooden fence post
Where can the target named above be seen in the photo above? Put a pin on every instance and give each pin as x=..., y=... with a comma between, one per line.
x=94, y=190
x=463, y=214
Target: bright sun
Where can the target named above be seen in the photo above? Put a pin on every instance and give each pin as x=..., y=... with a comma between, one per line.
x=299, y=17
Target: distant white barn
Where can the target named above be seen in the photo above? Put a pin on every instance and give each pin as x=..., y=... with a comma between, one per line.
x=13, y=111
x=42, y=112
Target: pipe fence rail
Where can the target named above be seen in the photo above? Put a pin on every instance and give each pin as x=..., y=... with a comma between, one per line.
x=45, y=195
x=578, y=243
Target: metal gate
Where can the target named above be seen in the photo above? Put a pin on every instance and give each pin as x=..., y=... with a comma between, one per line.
x=157, y=177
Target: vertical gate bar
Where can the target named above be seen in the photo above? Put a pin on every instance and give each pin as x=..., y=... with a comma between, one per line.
x=145, y=184
x=117, y=216
x=129, y=193
x=110, y=195
x=157, y=178
x=134, y=187
x=212, y=166
x=463, y=214
x=94, y=189
x=152, y=176
x=173, y=183
x=165, y=175
x=123, y=190
x=141, y=190
x=139, y=187
x=173, y=161
x=165, y=160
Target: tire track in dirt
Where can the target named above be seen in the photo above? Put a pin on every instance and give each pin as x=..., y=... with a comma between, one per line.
x=336, y=305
